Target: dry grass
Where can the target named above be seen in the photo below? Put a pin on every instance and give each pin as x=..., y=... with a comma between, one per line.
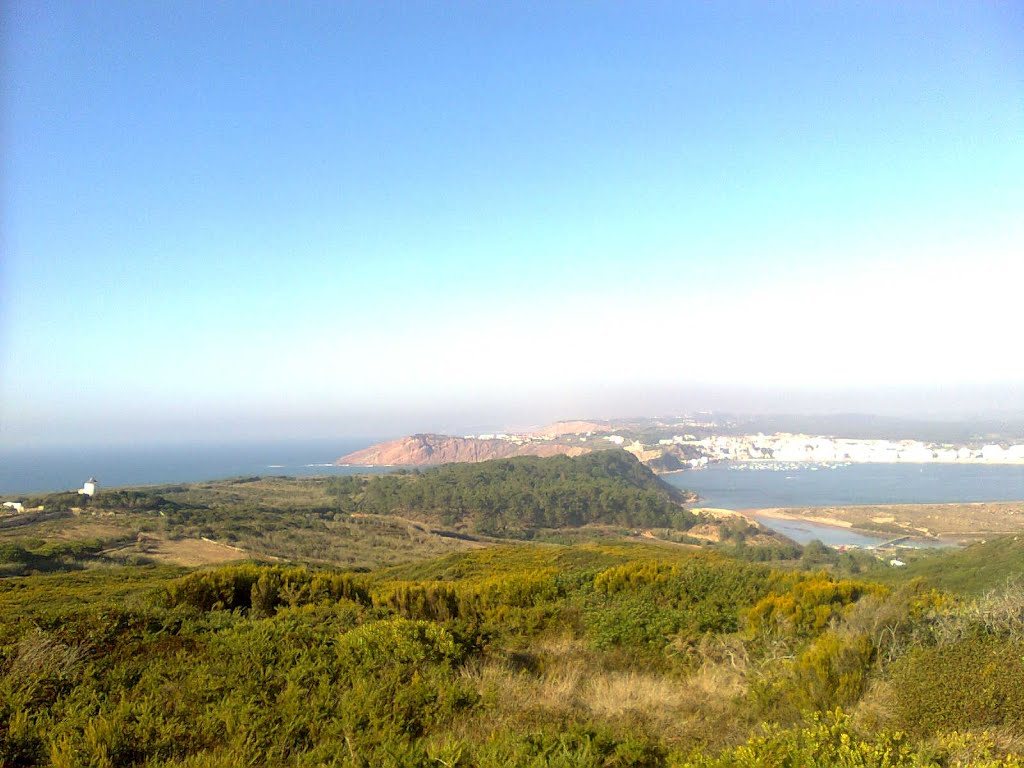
x=277, y=492
x=369, y=541
x=631, y=694
x=193, y=552
x=564, y=682
x=364, y=541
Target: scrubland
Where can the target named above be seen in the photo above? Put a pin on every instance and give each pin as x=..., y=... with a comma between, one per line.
x=590, y=655
x=532, y=652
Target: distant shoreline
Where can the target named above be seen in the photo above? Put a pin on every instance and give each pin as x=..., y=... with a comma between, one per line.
x=781, y=514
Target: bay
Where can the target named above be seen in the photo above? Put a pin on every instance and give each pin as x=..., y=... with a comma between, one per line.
x=764, y=486
x=745, y=486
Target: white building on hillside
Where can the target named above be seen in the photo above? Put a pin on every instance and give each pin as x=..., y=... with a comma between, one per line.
x=992, y=453
x=89, y=487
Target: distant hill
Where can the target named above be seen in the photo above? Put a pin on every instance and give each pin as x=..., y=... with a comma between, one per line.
x=875, y=427
x=432, y=450
x=560, y=428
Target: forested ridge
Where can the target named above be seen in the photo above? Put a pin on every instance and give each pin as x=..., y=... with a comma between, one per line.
x=507, y=497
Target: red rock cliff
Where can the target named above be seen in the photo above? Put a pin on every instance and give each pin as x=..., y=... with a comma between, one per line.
x=427, y=450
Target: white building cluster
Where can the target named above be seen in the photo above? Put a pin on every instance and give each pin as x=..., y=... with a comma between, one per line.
x=820, y=449
x=510, y=438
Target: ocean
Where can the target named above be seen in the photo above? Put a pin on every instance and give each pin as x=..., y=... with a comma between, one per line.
x=61, y=469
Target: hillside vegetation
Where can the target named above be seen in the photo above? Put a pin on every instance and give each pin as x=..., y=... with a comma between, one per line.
x=591, y=655
x=362, y=521
x=973, y=570
x=608, y=652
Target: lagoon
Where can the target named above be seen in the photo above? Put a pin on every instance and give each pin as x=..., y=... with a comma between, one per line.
x=767, y=485
x=803, y=531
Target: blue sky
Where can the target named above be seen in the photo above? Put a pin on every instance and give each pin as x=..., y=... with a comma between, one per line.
x=261, y=220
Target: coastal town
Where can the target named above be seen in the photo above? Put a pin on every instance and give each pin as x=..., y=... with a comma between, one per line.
x=820, y=449
x=695, y=450
x=693, y=441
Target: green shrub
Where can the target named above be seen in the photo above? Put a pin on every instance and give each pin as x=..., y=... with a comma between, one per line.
x=575, y=746
x=263, y=588
x=975, y=683
x=832, y=671
x=807, y=606
x=397, y=644
x=825, y=742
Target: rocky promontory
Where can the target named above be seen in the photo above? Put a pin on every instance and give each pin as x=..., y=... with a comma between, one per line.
x=429, y=450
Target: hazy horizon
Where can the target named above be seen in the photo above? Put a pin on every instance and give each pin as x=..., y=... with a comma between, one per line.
x=277, y=222
x=322, y=425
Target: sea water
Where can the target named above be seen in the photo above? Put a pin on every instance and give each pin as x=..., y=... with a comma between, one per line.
x=62, y=469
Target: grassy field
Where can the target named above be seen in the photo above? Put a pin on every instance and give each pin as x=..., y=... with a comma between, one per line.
x=208, y=523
